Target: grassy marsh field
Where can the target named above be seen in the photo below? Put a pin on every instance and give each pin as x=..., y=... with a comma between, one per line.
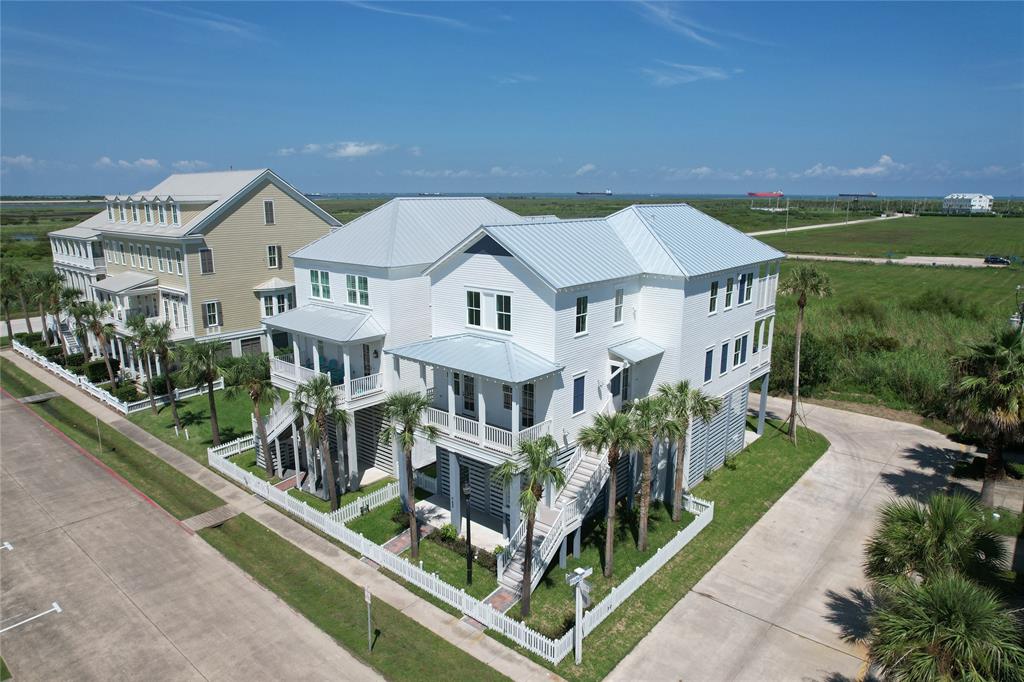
x=923, y=236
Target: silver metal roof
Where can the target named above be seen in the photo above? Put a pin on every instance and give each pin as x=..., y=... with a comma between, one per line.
x=124, y=281
x=479, y=355
x=696, y=243
x=406, y=231
x=566, y=253
x=75, y=232
x=273, y=283
x=331, y=324
x=636, y=350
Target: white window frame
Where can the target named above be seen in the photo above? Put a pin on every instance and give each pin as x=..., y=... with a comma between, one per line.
x=749, y=288
x=110, y=212
x=109, y=251
x=619, y=302
x=213, y=265
x=578, y=316
x=162, y=211
x=120, y=250
x=267, y=309
x=478, y=308
x=149, y=258
x=273, y=256
x=273, y=212
x=135, y=213
x=506, y=397
x=709, y=379
x=175, y=214
x=730, y=290
x=160, y=258
x=131, y=254
x=316, y=288
x=738, y=359
x=149, y=214
x=178, y=261
x=498, y=313
x=282, y=303
x=124, y=213
x=572, y=393
x=216, y=313
x=713, y=291
x=725, y=346
x=357, y=290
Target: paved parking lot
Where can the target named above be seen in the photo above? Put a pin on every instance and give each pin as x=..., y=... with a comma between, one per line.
x=142, y=598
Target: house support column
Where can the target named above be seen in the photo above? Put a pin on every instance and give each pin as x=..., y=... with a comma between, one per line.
x=270, y=344
x=346, y=361
x=316, y=357
x=451, y=400
x=481, y=410
x=576, y=542
x=515, y=417
x=763, y=404
x=455, y=490
x=562, y=551
x=295, y=357
x=351, y=454
x=687, y=458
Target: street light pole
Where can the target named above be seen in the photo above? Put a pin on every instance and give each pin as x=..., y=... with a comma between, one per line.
x=466, y=490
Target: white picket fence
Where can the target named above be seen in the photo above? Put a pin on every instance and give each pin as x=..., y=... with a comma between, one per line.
x=333, y=524
x=428, y=483
x=102, y=395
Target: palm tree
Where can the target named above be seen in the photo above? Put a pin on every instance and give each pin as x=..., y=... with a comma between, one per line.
x=67, y=297
x=614, y=434
x=46, y=294
x=538, y=470
x=318, y=397
x=683, y=404
x=803, y=281
x=946, y=628
x=139, y=339
x=252, y=376
x=78, y=311
x=650, y=420
x=988, y=398
x=94, y=314
x=17, y=279
x=922, y=540
x=403, y=417
x=158, y=343
x=200, y=364
x=7, y=297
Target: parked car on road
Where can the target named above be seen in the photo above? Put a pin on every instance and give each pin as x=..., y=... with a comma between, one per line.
x=996, y=260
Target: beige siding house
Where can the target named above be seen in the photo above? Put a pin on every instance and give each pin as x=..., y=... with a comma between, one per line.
x=205, y=252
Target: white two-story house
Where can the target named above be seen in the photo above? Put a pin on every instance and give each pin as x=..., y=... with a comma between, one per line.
x=520, y=328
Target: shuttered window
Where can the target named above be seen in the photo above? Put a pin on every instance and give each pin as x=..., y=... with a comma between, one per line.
x=211, y=314
x=205, y=260
x=268, y=212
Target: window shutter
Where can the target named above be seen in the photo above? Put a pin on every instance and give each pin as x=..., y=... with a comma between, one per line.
x=206, y=322
x=220, y=314
x=280, y=257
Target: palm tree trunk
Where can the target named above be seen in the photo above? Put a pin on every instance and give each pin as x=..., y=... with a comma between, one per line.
x=330, y=481
x=24, y=310
x=7, y=319
x=214, y=428
x=261, y=429
x=609, y=535
x=106, y=360
x=63, y=342
x=149, y=381
x=679, y=482
x=524, y=600
x=796, y=372
x=994, y=471
x=170, y=391
x=645, y=498
x=410, y=488
x=42, y=321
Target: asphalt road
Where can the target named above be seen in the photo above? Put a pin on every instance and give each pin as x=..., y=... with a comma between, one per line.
x=955, y=261
x=142, y=598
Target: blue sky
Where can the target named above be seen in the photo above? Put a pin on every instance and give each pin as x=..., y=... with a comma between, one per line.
x=911, y=98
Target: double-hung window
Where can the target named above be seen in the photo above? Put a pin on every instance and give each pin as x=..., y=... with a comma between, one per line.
x=578, y=387
x=160, y=259
x=709, y=362
x=728, y=293
x=468, y=393
x=506, y=396
x=211, y=313
x=162, y=214
x=110, y=251
x=713, y=307
x=739, y=351
x=110, y=212
x=581, y=315
x=120, y=251
x=358, y=289
x=149, y=214
x=619, y=295
x=749, y=286
x=135, y=212
x=268, y=211
x=268, y=306
x=741, y=295
x=723, y=366
x=282, y=303
x=456, y=383
x=320, y=284
x=178, y=262
x=131, y=254
x=504, y=308
x=273, y=256
x=526, y=408
x=473, y=308
x=743, y=349
x=149, y=258
x=175, y=214
x=205, y=260
x=124, y=215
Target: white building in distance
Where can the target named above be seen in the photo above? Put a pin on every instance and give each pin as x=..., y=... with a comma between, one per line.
x=967, y=203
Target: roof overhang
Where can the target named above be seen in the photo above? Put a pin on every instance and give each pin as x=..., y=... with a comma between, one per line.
x=336, y=325
x=636, y=350
x=274, y=284
x=483, y=356
x=135, y=282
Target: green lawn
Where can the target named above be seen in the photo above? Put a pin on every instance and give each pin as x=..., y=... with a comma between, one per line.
x=924, y=236
x=378, y=524
x=233, y=417
x=5, y=673
x=403, y=649
x=161, y=482
x=763, y=473
x=451, y=567
x=552, y=608
x=247, y=460
x=886, y=335
x=346, y=498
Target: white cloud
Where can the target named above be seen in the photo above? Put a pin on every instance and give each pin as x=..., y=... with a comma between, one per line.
x=884, y=166
x=285, y=151
x=211, y=21
x=349, y=150
x=515, y=78
x=311, y=148
x=442, y=173
x=512, y=172
x=585, y=169
x=666, y=16
x=416, y=150
x=671, y=73
x=22, y=161
x=993, y=171
x=435, y=18
x=189, y=166
x=138, y=164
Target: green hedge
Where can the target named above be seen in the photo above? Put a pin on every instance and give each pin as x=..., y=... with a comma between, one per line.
x=96, y=371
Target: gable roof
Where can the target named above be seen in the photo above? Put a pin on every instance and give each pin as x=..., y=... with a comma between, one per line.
x=695, y=243
x=406, y=231
x=222, y=190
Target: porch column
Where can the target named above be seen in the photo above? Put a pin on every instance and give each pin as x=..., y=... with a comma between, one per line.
x=481, y=410
x=451, y=399
x=316, y=356
x=576, y=542
x=346, y=359
x=351, y=455
x=270, y=344
x=156, y=361
x=514, y=508
x=515, y=416
x=295, y=356
x=455, y=490
x=764, y=404
x=562, y=551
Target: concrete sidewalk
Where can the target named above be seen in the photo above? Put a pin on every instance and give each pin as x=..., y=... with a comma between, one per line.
x=822, y=226
x=789, y=600
x=470, y=640
x=954, y=261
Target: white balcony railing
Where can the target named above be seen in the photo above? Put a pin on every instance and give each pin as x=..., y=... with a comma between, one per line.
x=363, y=385
x=536, y=431
x=285, y=369
x=494, y=437
x=468, y=429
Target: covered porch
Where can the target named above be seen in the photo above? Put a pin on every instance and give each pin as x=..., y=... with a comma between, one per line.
x=488, y=393
x=343, y=345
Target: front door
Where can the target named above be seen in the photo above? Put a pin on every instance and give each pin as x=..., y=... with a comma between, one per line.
x=367, y=366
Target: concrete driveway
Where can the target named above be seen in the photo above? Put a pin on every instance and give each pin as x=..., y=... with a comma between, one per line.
x=787, y=602
x=142, y=598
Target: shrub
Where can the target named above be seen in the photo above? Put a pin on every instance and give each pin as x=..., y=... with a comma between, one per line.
x=54, y=354
x=127, y=392
x=96, y=370
x=449, y=532
x=75, y=360
x=27, y=339
x=817, y=363
x=40, y=347
x=861, y=306
x=945, y=302
x=458, y=545
x=159, y=383
x=867, y=341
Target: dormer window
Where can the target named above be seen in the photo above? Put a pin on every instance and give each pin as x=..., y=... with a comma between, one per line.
x=149, y=214
x=110, y=212
x=163, y=214
x=135, y=212
x=124, y=215
x=175, y=214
